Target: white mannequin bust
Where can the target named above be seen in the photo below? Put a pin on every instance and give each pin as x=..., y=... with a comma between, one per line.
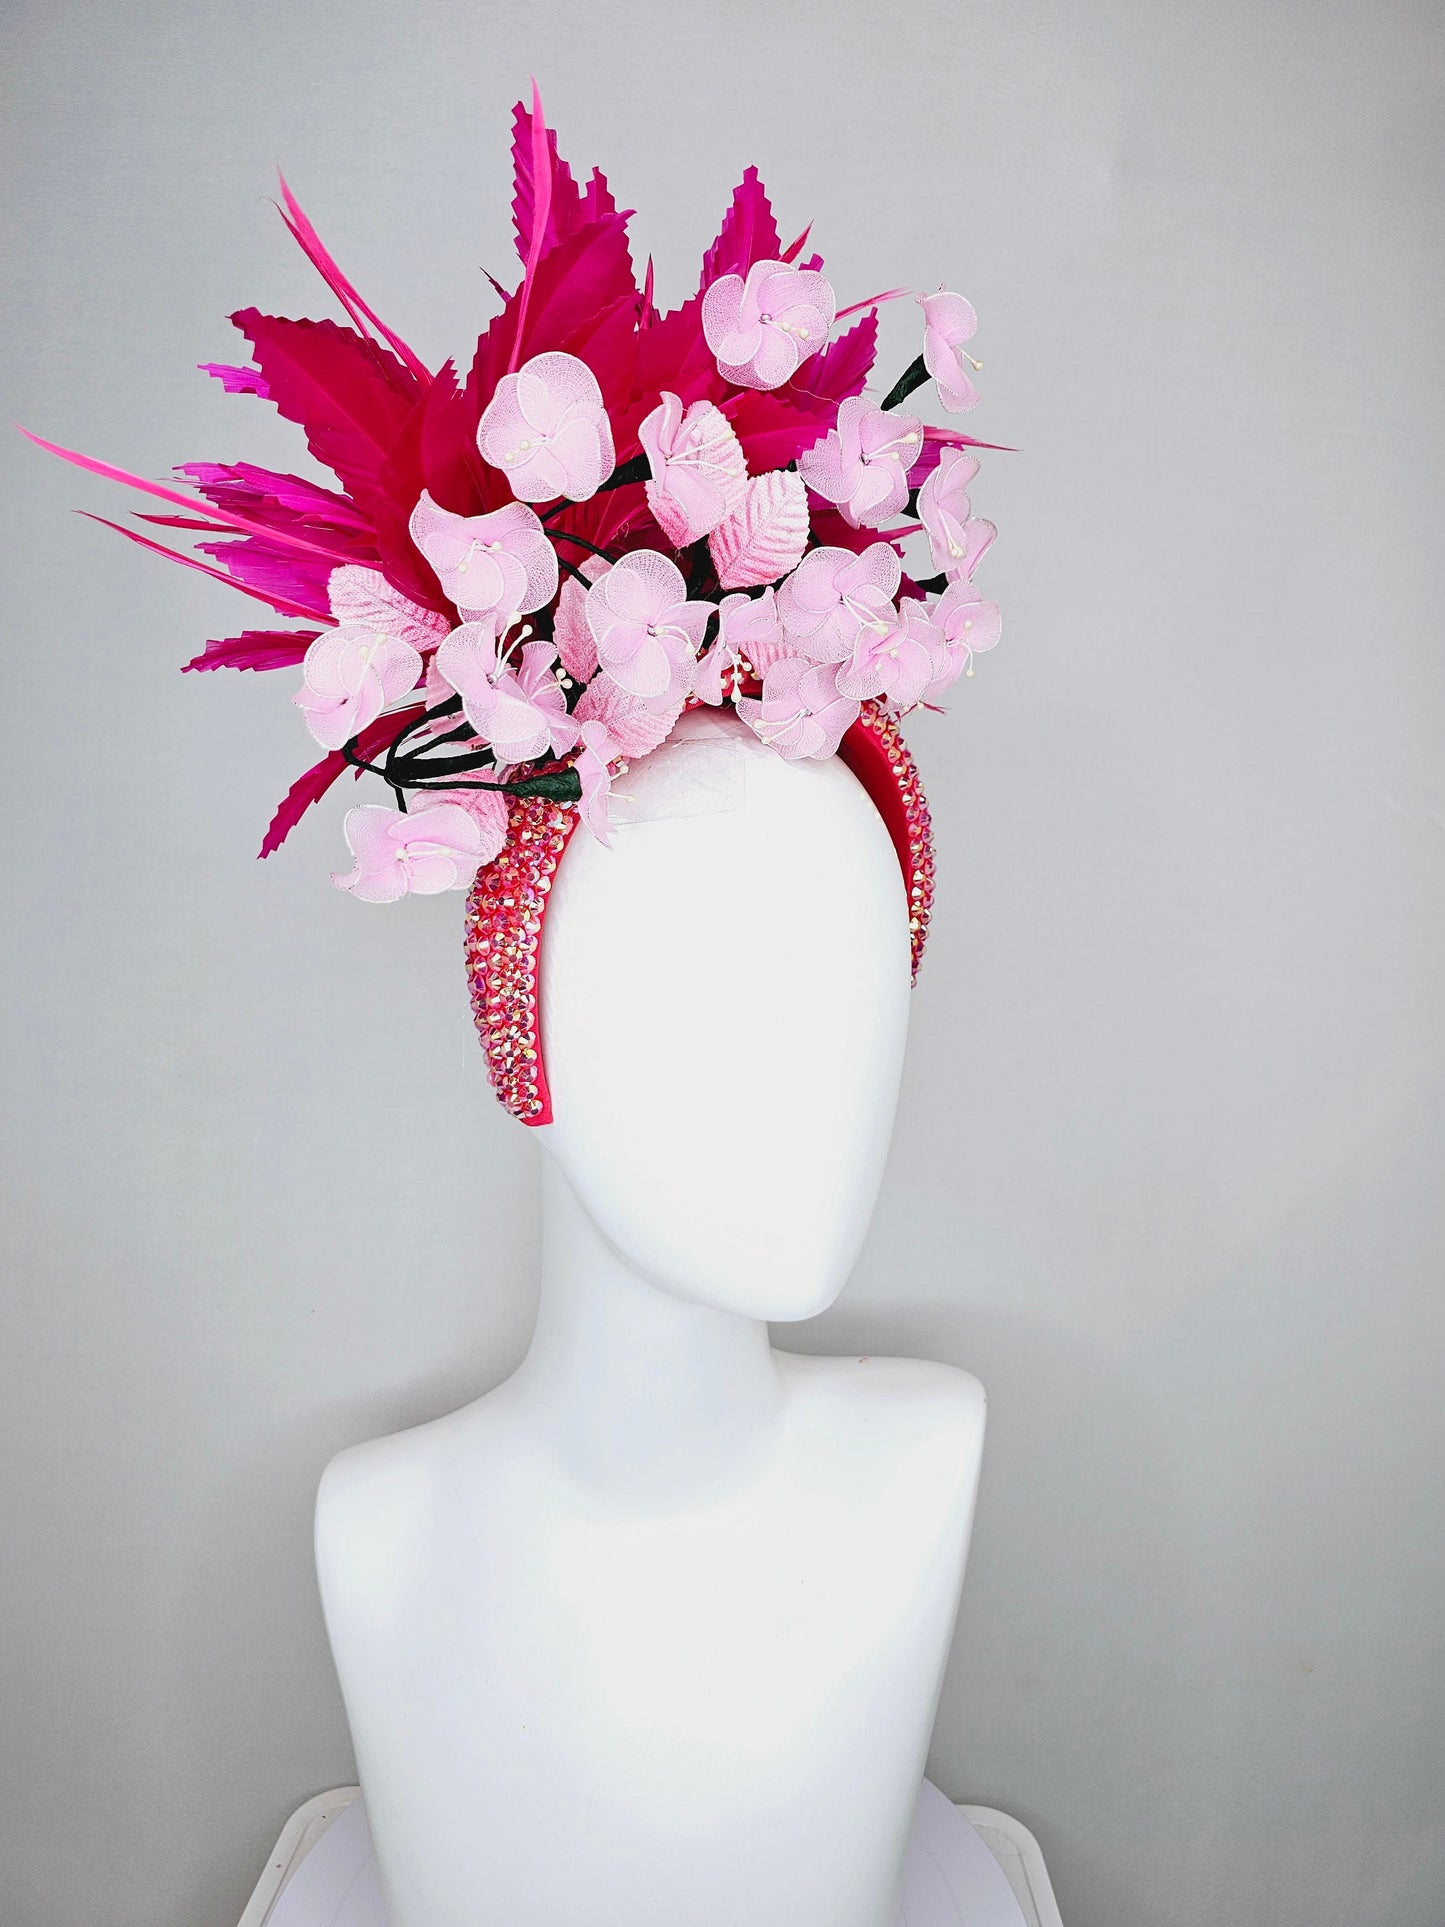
x=654, y=1632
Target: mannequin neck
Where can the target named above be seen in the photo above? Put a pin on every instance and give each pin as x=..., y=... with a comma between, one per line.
x=636, y=1389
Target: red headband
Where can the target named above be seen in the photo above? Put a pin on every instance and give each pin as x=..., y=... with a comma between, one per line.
x=508, y=904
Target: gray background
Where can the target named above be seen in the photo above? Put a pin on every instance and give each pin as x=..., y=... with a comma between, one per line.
x=1167, y=1167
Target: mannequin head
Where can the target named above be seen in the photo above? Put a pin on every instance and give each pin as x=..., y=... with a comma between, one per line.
x=724, y=1006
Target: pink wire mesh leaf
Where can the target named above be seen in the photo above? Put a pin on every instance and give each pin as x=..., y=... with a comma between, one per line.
x=767, y=535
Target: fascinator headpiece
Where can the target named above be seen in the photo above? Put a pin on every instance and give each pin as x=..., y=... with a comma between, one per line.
x=515, y=581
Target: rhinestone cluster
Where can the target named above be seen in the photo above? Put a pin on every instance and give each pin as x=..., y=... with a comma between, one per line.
x=904, y=808
x=503, y=937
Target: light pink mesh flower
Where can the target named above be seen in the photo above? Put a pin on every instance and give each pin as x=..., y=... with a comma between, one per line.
x=647, y=632
x=943, y=509
x=832, y=594
x=949, y=321
x=547, y=430
x=351, y=673
x=749, y=637
x=699, y=471
x=761, y=328
x=593, y=764
x=424, y=851
x=801, y=713
x=964, y=625
x=499, y=564
x=487, y=809
x=521, y=712
x=862, y=465
x=895, y=662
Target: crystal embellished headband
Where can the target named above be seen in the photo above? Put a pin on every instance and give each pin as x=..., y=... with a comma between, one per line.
x=524, y=577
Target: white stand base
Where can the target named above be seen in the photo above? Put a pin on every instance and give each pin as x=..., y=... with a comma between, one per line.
x=967, y=1866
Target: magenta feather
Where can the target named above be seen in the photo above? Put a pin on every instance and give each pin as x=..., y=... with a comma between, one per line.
x=274, y=572
x=316, y=781
x=255, y=649
x=569, y=209
x=165, y=494
x=235, y=381
x=361, y=410
x=873, y=301
x=287, y=502
x=350, y=395
x=541, y=211
x=310, y=242
x=837, y=371
x=452, y=466
x=581, y=278
x=749, y=233
x=400, y=481
x=279, y=604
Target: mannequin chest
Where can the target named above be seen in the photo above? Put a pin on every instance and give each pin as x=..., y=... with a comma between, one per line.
x=677, y=1677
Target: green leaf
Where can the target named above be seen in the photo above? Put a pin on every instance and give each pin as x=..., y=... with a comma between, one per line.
x=562, y=785
x=913, y=376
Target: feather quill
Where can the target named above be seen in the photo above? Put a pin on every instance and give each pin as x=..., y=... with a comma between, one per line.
x=255, y=649
x=313, y=785
x=281, y=604
x=541, y=209
x=165, y=494
x=310, y=242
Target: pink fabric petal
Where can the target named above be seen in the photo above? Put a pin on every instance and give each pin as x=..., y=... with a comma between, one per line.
x=949, y=321
x=749, y=639
x=501, y=562
x=749, y=625
x=801, y=714
x=862, y=464
x=832, y=593
x=546, y=428
x=760, y=328
x=964, y=625
x=943, y=509
x=570, y=628
x=699, y=472
x=646, y=631
x=593, y=764
x=427, y=850
x=350, y=675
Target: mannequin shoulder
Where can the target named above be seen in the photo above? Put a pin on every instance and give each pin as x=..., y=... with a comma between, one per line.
x=366, y=1510
x=908, y=1407
x=378, y=1500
